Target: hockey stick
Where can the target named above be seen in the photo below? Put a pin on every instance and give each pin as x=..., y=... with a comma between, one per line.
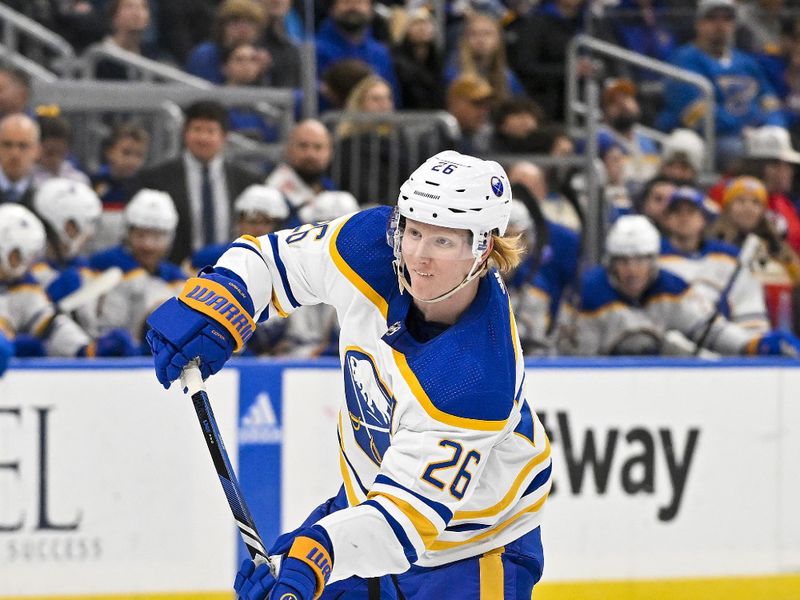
x=746, y=256
x=193, y=385
x=91, y=290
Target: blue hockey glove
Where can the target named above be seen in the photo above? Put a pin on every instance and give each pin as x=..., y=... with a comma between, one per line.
x=62, y=286
x=304, y=572
x=28, y=346
x=210, y=318
x=6, y=352
x=775, y=343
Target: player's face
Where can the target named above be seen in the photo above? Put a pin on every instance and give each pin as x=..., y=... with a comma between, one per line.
x=746, y=212
x=685, y=220
x=204, y=139
x=257, y=224
x=632, y=274
x=149, y=246
x=437, y=259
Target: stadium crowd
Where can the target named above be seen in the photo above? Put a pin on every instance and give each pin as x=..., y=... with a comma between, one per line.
x=696, y=260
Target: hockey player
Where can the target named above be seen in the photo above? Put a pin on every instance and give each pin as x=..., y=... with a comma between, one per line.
x=707, y=264
x=69, y=211
x=150, y=220
x=26, y=314
x=446, y=467
x=628, y=306
x=313, y=331
x=259, y=210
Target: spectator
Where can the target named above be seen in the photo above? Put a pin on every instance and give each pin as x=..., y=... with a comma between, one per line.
x=241, y=66
x=782, y=67
x=771, y=158
x=418, y=62
x=763, y=21
x=201, y=181
x=469, y=100
x=539, y=55
x=346, y=33
x=304, y=172
x=555, y=206
x=55, y=139
x=27, y=315
x=617, y=187
x=128, y=22
x=15, y=91
x=150, y=221
x=629, y=306
x=340, y=78
x=124, y=154
x=481, y=52
x=237, y=22
x=653, y=200
x=744, y=96
x=283, y=68
x=777, y=265
x=707, y=264
x=19, y=151
x=621, y=116
x=259, y=210
x=183, y=24
x=640, y=26
x=518, y=128
x=682, y=156
x=372, y=155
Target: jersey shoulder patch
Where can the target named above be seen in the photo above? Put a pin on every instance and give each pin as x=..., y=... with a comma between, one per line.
x=170, y=272
x=669, y=283
x=720, y=247
x=362, y=254
x=113, y=257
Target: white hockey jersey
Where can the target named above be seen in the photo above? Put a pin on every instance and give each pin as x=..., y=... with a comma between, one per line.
x=441, y=453
x=25, y=309
x=708, y=271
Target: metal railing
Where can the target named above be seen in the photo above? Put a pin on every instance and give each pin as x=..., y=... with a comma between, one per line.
x=576, y=107
x=93, y=106
x=16, y=26
x=374, y=153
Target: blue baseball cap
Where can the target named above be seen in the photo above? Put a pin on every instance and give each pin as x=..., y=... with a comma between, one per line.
x=694, y=197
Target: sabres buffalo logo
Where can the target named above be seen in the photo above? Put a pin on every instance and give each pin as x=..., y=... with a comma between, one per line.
x=369, y=403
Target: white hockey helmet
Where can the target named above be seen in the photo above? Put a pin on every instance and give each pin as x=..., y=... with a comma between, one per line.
x=458, y=191
x=22, y=231
x=59, y=201
x=633, y=235
x=520, y=219
x=151, y=209
x=685, y=144
x=328, y=206
x=262, y=200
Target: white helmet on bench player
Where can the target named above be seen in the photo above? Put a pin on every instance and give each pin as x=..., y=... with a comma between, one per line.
x=22, y=232
x=152, y=209
x=60, y=201
x=633, y=235
x=456, y=191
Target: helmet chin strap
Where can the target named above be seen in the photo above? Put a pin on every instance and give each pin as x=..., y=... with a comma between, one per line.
x=477, y=269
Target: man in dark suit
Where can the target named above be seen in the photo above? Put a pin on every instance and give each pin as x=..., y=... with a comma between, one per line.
x=201, y=182
x=19, y=151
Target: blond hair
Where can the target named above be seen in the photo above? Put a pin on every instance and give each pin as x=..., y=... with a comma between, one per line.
x=507, y=252
x=355, y=104
x=495, y=71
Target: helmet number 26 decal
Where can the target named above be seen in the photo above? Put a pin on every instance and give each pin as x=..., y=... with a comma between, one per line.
x=444, y=167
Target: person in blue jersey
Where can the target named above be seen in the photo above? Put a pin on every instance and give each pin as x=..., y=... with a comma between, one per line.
x=744, y=97
x=707, y=264
x=30, y=324
x=631, y=306
x=148, y=278
x=445, y=466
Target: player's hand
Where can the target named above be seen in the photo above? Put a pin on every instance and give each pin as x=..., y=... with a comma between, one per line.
x=304, y=571
x=212, y=317
x=776, y=343
x=6, y=352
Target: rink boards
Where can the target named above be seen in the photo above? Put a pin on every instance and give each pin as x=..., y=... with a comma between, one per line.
x=671, y=479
